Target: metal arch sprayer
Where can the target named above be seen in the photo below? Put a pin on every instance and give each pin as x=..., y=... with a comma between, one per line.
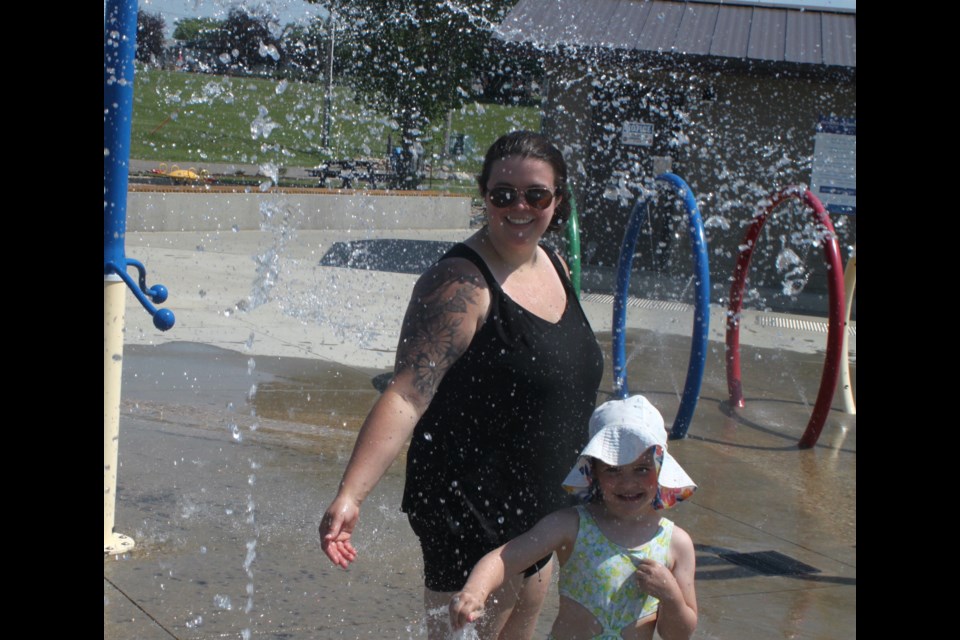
x=835, y=328
x=701, y=321
x=573, y=243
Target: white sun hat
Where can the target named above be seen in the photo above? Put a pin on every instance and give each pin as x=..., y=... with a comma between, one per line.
x=620, y=432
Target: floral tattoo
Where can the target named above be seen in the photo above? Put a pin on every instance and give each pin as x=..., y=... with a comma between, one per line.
x=430, y=341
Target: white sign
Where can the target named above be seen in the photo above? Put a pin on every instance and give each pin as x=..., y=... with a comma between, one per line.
x=834, y=176
x=637, y=134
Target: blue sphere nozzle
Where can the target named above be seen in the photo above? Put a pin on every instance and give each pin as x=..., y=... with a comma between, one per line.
x=164, y=319
x=158, y=293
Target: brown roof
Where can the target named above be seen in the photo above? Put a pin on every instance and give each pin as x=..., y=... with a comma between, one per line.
x=805, y=36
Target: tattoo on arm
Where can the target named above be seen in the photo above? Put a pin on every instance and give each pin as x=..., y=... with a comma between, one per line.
x=431, y=339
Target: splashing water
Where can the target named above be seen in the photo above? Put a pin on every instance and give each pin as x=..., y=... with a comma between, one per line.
x=717, y=222
x=262, y=126
x=469, y=632
x=276, y=219
x=223, y=602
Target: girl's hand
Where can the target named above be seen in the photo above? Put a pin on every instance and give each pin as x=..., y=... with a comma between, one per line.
x=655, y=579
x=465, y=608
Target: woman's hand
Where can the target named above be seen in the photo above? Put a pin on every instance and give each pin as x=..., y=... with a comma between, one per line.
x=336, y=530
x=465, y=607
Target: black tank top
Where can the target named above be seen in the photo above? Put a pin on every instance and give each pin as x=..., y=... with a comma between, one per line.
x=508, y=419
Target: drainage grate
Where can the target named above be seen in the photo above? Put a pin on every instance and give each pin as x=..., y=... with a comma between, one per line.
x=780, y=322
x=638, y=303
x=769, y=563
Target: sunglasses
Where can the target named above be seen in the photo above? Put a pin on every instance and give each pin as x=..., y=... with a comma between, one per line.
x=536, y=197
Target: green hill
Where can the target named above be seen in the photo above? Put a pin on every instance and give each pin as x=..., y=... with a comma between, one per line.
x=193, y=118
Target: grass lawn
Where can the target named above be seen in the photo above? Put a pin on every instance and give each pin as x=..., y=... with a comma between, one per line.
x=191, y=118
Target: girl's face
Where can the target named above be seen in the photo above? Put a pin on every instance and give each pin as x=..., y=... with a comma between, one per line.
x=628, y=490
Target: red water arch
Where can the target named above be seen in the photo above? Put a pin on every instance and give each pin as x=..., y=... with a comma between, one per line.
x=831, y=254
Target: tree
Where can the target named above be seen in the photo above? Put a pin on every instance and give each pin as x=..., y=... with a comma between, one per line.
x=246, y=41
x=512, y=74
x=306, y=50
x=251, y=38
x=193, y=30
x=416, y=59
x=150, y=27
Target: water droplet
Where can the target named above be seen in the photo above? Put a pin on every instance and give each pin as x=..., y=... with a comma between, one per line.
x=428, y=437
x=221, y=601
x=717, y=222
x=235, y=432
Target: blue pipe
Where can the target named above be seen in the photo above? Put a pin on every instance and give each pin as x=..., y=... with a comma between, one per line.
x=701, y=322
x=627, y=247
x=119, y=52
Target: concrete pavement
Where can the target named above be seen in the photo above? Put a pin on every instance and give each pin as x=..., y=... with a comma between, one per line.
x=236, y=426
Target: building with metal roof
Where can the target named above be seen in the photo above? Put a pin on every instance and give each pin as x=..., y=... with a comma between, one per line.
x=737, y=98
x=745, y=31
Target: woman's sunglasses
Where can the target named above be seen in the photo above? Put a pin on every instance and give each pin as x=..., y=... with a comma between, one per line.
x=536, y=197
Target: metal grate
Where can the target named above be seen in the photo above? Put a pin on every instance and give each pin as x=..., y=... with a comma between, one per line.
x=638, y=303
x=796, y=324
x=769, y=563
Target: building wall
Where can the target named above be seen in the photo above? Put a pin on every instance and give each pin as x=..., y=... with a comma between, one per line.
x=734, y=134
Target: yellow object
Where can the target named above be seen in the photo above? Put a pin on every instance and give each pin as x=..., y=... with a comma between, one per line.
x=182, y=175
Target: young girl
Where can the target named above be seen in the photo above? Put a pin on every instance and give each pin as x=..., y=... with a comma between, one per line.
x=624, y=569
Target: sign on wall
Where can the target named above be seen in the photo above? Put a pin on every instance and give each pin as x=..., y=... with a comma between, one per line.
x=637, y=134
x=834, y=176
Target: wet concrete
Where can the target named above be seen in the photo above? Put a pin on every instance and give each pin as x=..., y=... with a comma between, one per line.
x=227, y=460
x=236, y=426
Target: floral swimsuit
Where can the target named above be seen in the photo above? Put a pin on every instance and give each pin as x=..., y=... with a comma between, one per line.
x=600, y=576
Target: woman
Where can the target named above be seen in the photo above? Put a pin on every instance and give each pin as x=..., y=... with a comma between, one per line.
x=496, y=376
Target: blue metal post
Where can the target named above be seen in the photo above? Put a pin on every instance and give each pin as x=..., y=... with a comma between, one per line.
x=119, y=50
x=701, y=323
x=701, y=318
x=627, y=248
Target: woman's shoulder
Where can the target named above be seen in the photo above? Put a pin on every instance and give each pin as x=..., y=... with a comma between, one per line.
x=452, y=270
x=556, y=257
x=447, y=293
